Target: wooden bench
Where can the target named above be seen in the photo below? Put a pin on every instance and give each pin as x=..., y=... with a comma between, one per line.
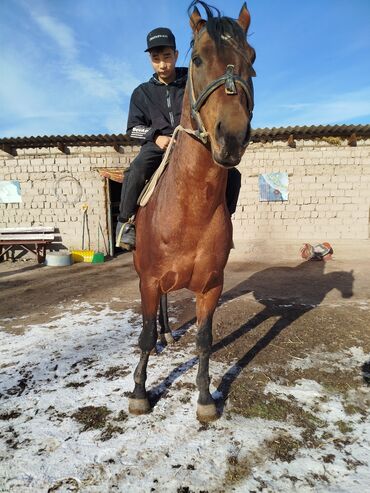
x=34, y=239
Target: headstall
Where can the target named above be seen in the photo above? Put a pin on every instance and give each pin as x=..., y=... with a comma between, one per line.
x=230, y=80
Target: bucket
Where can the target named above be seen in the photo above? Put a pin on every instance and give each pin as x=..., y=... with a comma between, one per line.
x=58, y=259
x=98, y=258
x=89, y=256
x=82, y=255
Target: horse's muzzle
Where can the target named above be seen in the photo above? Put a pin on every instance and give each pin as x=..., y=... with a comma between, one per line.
x=230, y=146
x=226, y=160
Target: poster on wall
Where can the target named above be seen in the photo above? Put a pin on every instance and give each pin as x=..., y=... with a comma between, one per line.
x=10, y=192
x=273, y=187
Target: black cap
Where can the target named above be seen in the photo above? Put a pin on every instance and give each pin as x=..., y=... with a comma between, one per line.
x=162, y=36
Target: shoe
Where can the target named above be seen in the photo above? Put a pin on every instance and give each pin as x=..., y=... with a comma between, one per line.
x=323, y=251
x=125, y=236
x=307, y=251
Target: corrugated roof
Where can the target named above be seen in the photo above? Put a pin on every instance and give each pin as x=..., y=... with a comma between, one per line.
x=66, y=140
x=311, y=132
x=10, y=144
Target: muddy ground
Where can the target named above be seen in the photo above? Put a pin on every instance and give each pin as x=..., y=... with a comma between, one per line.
x=276, y=325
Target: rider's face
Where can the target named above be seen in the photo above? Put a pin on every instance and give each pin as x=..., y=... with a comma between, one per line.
x=164, y=62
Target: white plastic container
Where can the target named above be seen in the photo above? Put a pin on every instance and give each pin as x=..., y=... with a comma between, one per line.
x=58, y=259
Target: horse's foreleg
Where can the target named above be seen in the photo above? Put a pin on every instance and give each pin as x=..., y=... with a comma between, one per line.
x=206, y=305
x=166, y=334
x=139, y=402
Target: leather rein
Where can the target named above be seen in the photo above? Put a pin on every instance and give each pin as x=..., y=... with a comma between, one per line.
x=230, y=80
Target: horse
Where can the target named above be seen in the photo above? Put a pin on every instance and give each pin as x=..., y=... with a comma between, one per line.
x=184, y=233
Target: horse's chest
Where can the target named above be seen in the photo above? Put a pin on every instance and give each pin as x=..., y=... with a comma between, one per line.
x=198, y=271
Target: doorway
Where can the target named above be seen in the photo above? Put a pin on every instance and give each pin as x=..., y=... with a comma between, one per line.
x=114, y=198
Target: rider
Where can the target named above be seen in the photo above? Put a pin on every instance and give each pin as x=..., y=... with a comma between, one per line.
x=155, y=111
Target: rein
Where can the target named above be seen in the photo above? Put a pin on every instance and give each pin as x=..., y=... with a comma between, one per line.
x=150, y=186
x=230, y=80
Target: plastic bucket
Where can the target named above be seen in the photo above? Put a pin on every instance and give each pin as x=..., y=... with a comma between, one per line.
x=58, y=259
x=82, y=255
x=98, y=258
x=89, y=256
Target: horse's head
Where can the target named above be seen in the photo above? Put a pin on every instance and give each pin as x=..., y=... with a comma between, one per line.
x=220, y=84
x=345, y=284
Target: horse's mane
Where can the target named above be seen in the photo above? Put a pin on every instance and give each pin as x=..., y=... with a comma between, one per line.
x=220, y=27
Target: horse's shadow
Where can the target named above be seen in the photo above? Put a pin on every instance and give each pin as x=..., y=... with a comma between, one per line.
x=366, y=372
x=287, y=293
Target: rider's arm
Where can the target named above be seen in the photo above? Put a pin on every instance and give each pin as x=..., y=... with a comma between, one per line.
x=139, y=125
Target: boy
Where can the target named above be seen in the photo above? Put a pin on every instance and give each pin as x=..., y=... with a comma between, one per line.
x=155, y=111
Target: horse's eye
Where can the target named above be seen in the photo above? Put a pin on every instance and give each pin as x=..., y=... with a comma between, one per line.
x=197, y=61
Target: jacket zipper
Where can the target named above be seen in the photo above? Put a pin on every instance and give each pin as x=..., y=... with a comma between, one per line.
x=169, y=106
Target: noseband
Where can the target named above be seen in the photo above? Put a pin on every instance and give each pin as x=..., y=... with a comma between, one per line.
x=230, y=80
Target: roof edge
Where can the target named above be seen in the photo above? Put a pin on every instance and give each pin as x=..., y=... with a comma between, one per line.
x=8, y=144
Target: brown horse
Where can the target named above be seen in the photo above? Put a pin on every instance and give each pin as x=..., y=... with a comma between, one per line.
x=184, y=233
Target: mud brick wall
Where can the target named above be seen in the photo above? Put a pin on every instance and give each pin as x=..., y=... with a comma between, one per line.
x=329, y=193
x=56, y=186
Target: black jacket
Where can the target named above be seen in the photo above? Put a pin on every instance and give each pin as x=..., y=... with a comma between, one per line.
x=155, y=108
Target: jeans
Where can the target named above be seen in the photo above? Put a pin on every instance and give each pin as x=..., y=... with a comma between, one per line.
x=135, y=177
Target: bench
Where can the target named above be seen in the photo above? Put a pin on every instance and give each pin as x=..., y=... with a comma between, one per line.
x=34, y=239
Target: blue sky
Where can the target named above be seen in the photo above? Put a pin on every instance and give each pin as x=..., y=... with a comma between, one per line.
x=69, y=66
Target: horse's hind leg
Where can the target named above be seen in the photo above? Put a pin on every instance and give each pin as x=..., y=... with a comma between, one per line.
x=206, y=305
x=139, y=402
x=165, y=334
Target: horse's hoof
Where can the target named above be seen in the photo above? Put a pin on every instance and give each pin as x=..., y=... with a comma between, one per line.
x=167, y=339
x=138, y=406
x=207, y=413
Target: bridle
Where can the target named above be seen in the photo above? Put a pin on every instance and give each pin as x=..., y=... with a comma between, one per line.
x=230, y=80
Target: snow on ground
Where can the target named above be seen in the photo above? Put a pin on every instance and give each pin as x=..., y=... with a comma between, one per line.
x=53, y=375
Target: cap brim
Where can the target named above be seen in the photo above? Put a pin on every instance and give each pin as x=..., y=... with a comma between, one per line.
x=159, y=45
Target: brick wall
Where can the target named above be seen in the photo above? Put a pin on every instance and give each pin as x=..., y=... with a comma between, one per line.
x=55, y=186
x=329, y=191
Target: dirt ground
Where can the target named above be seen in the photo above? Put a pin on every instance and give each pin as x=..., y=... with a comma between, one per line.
x=292, y=306
x=28, y=289
x=270, y=317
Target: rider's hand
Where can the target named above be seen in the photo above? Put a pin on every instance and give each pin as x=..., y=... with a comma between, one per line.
x=162, y=141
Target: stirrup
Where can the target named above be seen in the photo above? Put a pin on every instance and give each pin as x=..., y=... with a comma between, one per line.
x=123, y=244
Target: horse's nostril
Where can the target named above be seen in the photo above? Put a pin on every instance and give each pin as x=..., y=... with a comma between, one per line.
x=219, y=130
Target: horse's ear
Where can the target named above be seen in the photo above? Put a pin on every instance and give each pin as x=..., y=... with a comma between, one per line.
x=244, y=18
x=196, y=21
